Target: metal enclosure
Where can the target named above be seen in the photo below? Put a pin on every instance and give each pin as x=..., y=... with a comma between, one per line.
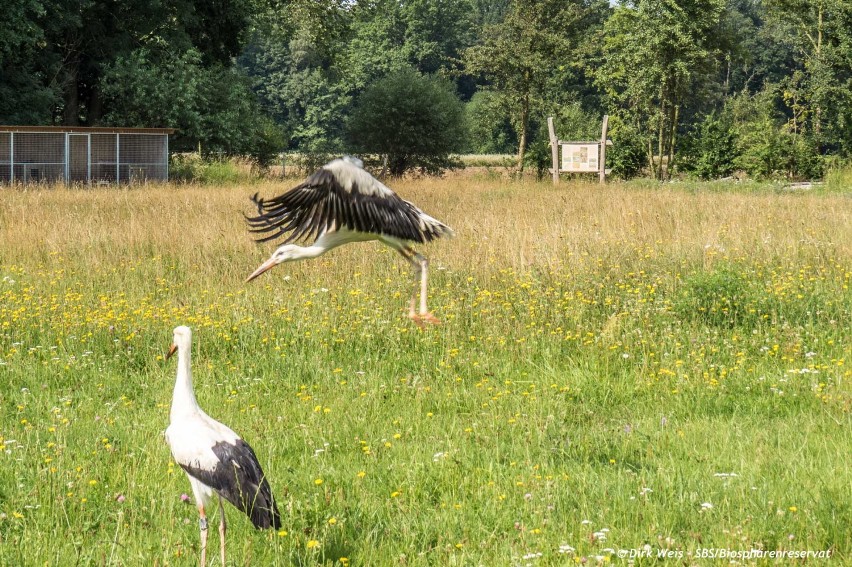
x=47, y=154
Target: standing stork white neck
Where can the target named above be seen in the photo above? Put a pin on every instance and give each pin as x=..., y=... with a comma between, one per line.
x=216, y=460
x=183, y=397
x=339, y=204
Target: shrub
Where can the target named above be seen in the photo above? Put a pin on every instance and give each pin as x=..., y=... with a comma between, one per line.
x=192, y=168
x=710, y=152
x=766, y=145
x=627, y=155
x=539, y=156
x=416, y=120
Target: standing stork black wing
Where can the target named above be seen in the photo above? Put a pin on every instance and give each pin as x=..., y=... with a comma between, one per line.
x=239, y=479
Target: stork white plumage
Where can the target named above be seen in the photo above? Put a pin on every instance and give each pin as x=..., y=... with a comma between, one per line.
x=216, y=460
x=343, y=203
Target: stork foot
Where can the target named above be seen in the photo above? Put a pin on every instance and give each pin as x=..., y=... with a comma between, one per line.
x=423, y=319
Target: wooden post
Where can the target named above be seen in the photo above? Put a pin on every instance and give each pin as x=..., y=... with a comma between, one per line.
x=602, y=163
x=554, y=149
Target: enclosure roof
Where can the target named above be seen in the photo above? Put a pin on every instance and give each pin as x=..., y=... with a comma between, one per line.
x=87, y=130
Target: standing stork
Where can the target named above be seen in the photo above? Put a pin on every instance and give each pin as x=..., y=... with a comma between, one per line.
x=339, y=204
x=216, y=460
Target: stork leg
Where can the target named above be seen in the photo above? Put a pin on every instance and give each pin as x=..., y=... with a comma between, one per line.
x=202, y=524
x=425, y=315
x=420, y=264
x=408, y=254
x=222, y=530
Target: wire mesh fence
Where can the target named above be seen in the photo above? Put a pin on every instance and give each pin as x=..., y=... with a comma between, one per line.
x=81, y=156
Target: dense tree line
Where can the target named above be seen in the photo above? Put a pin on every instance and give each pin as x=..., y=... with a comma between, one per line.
x=704, y=87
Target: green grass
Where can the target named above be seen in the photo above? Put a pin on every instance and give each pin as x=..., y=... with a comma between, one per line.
x=839, y=180
x=630, y=388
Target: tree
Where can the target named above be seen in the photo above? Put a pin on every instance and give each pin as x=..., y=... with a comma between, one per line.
x=821, y=31
x=710, y=150
x=490, y=130
x=520, y=56
x=65, y=46
x=309, y=63
x=436, y=34
x=490, y=11
x=25, y=98
x=766, y=144
x=296, y=79
x=211, y=106
x=415, y=120
x=388, y=35
x=753, y=51
x=656, y=55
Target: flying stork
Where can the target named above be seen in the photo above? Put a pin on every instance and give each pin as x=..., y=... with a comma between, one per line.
x=343, y=203
x=216, y=460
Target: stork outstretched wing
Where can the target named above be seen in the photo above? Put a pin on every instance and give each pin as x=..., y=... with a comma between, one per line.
x=339, y=195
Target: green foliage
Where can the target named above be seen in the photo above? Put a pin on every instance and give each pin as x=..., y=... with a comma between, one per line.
x=539, y=157
x=65, y=47
x=489, y=128
x=18, y=29
x=753, y=135
x=378, y=36
x=627, y=155
x=659, y=67
x=490, y=11
x=436, y=34
x=210, y=105
x=416, y=120
x=388, y=35
x=822, y=35
x=710, y=150
x=839, y=179
x=766, y=145
x=307, y=69
x=751, y=51
x=25, y=98
x=518, y=55
x=268, y=141
x=572, y=122
x=297, y=88
x=191, y=167
x=656, y=55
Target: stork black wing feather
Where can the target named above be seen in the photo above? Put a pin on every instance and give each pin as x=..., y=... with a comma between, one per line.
x=321, y=203
x=239, y=479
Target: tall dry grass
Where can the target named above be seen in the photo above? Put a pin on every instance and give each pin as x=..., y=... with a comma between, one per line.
x=500, y=224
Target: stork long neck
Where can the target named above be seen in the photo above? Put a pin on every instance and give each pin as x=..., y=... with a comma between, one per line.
x=308, y=252
x=183, y=399
x=329, y=240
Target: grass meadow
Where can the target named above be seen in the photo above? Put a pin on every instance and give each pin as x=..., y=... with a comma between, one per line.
x=620, y=370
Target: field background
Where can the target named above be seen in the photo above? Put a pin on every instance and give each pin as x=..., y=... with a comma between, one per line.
x=636, y=365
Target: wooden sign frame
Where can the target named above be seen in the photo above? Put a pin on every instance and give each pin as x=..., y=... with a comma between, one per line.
x=580, y=151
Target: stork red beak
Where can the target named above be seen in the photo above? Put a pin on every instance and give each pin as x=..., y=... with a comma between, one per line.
x=172, y=350
x=268, y=265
